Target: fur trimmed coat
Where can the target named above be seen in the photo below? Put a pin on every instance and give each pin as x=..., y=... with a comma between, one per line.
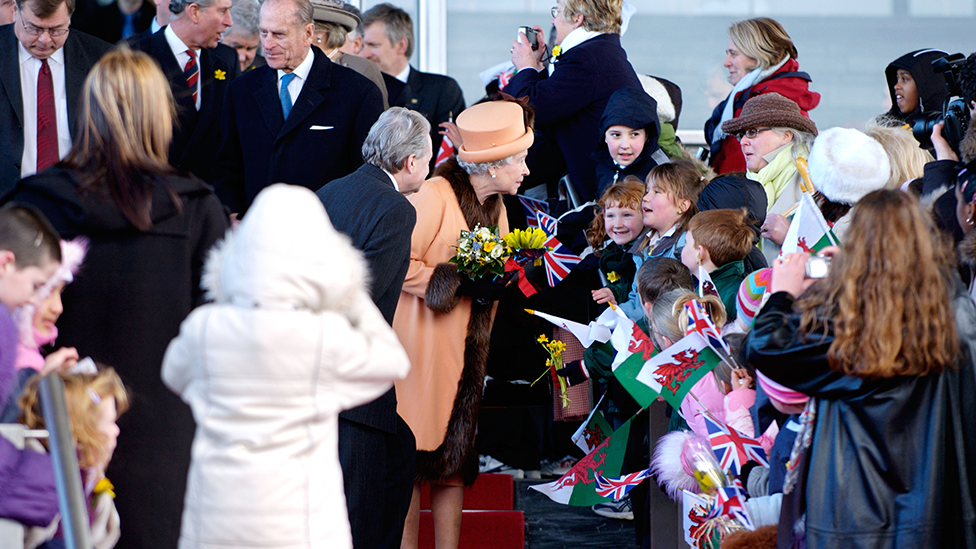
x=291, y=339
x=446, y=337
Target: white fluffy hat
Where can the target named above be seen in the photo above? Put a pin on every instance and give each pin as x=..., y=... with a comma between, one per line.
x=846, y=164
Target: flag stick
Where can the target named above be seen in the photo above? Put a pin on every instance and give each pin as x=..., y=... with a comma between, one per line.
x=806, y=185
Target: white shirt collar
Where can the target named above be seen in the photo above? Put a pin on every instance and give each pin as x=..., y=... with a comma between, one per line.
x=575, y=38
x=175, y=43
x=23, y=55
x=402, y=77
x=303, y=68
x=155, y=26
x=393, y=179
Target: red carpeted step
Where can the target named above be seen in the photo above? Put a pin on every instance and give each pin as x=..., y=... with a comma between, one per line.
x=489, y=492
x=480, y=530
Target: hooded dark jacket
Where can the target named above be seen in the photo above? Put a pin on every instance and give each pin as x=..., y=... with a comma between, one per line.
x=635, y=109
x=931, y=87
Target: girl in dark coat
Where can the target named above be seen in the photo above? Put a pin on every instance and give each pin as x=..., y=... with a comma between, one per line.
x=149, y=230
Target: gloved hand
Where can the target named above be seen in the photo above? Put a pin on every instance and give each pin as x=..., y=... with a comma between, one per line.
x=481, y=290
x=573, y=372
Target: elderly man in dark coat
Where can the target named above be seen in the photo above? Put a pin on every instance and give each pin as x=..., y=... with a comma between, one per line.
x=376, y=447
x=300, y=120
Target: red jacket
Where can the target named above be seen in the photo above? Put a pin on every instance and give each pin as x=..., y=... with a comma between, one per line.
x=727, y=156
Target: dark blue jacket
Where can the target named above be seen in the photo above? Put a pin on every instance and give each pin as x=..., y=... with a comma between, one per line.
x=568, y=105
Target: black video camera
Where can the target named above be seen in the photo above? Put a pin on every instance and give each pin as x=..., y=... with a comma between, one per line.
x=955, y=112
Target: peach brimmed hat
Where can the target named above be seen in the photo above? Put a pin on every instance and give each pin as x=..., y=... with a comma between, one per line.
x=493, y=131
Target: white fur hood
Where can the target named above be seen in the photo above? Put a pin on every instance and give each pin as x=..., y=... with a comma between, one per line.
x=285, y=254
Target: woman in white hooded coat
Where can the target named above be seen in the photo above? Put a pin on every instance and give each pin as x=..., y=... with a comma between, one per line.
x=291, y=339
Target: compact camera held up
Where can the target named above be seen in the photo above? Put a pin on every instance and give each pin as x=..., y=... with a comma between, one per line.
x=531, y=35
x=955, y=112
x=818, y=266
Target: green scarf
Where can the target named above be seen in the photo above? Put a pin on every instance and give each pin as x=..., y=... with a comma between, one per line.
x=776, y=176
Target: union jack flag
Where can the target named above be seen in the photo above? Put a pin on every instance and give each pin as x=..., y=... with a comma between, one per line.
x=532, y=207
x=730, y=502
x=559, y=260
x=699, y=321
x=617, y=488
x=732, y=448
x=446, y=151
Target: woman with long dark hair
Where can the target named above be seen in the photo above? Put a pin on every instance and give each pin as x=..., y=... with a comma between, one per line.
x=883, y=345
x=150, y=229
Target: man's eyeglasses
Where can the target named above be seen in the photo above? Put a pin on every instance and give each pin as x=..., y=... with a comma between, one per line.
x=38, y=31
x=751, y=133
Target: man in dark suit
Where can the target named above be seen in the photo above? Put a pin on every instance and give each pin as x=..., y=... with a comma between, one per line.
x=300, y=120
x=388, y=42
x=199, y=70
x=376, y=447
x=37, y=53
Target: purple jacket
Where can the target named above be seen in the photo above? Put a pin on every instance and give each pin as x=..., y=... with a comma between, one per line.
x=27, y=490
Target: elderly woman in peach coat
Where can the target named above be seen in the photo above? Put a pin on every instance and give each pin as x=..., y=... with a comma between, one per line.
x=444, y=319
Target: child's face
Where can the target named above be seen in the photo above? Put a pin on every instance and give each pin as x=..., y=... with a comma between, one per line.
x=18, y=286
x=625, y=143
x=107, y=415
x=49, y=311
x=689, y=254
x=623, y=224
x=660, y=211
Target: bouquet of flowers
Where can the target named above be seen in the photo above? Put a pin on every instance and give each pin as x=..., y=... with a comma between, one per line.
x=481, y=252
x=555, y=349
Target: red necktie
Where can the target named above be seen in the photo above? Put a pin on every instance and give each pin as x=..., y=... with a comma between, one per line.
x=47, y=120
x=192, y=74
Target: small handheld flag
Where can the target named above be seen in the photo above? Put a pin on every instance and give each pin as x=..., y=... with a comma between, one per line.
x=732, y=448
x=617, y=488
x=559, y=260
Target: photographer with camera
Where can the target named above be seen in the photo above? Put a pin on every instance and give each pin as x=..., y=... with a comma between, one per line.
x=587, y=66
x=955, y=146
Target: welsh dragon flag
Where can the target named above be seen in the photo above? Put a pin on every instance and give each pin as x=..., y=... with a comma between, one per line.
x=633, y=348
x=809, y=231
x=593, y=432
x=674, y=371
x=578, y=486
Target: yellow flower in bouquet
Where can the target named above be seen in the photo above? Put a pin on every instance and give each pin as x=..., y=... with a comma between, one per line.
x=529, y=239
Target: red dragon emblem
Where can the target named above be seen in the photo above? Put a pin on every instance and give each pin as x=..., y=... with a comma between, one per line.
x=709, y=288
x=802, y=243
x=673, y=374
x=591, y=463
x=639, y=342
x=594, y=436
